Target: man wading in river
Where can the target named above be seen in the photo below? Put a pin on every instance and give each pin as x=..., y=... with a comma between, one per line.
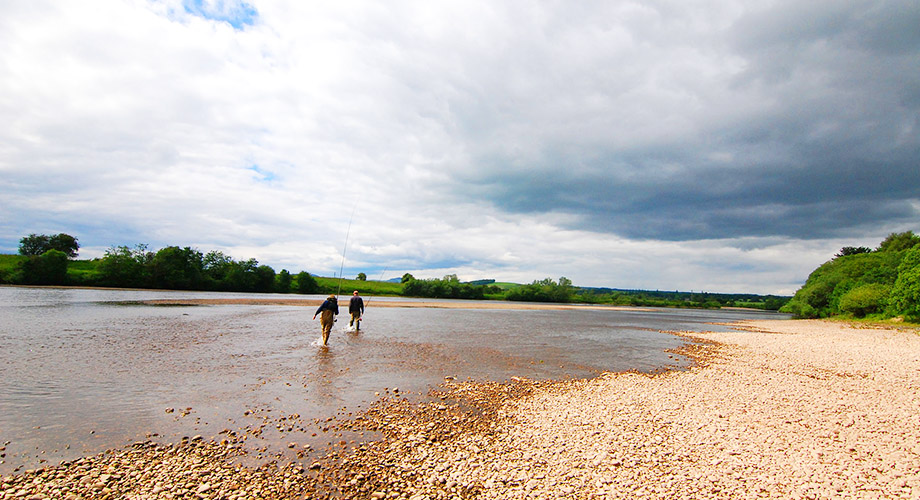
x=329, y=308
x=355, y=309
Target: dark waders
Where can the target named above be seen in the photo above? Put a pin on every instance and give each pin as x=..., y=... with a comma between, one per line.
x=327, y=319
x=355, y=320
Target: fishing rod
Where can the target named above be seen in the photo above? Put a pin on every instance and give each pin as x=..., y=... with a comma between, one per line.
x=378, y=279
x=345, y=247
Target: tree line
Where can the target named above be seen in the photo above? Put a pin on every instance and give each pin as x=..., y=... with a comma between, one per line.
x=861, y=282
x=448, y=287
x=689, y=300
x=174, y=268
x=47, y=260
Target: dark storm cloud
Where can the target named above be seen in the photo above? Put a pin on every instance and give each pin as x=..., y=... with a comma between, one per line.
x=829, y=144
x=657, y=201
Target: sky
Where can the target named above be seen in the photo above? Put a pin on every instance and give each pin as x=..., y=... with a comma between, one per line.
x=695, y=145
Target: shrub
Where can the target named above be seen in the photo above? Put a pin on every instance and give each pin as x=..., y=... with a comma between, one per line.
x=49, y=268
x=799, y=309
x=905, y=295
x=865, y=299
x=831, y=281
x=304, y=283
x=896, y=242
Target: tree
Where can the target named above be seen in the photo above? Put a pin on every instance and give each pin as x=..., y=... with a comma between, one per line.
x=305, y=283
x=852, y=251
x=864, y=299
x=216, y=265
x=820, y=295
x=406, y=277
x=772, y=303
x=175, y=268
x=896, y=242
x=545, y=290
x=264, y=281
x=361, y=277
x=861, y=282
x=65, y=243
x=49, y=268
x=905, y=295
x=126, y=267
x=242, y=276
x=449, y=287
x=38, y=244
x=283, y=281
x=34, y=244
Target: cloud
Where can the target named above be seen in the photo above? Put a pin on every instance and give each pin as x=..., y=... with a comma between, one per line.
x=796, y=121
x=627, y=144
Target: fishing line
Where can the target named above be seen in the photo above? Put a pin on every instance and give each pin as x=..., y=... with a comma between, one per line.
x=378, y=279
x=345, y=247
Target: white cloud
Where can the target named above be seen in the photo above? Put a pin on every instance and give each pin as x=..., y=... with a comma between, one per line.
x=493, y=140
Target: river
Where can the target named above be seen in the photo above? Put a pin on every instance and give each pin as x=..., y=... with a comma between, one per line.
x=83, y=371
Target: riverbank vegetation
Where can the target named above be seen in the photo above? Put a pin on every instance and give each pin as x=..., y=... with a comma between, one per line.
x=864, y=283
x=42, y=263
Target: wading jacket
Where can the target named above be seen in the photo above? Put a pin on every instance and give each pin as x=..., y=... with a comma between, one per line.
x=328, y=305
x=356, y=305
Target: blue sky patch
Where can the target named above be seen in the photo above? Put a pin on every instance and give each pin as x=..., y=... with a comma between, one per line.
x=263, y=175
x=233, y=12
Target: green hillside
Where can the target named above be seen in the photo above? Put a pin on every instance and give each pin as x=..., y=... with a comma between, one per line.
x=333, y=285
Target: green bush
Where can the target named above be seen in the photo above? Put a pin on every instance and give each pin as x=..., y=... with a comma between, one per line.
x=49, y=268
x=799, y=309
x=8, y=267
x=126, y=267
x=905, y=295
x=283, y=281
x=448, y=287
x=896, y=242
x=821, y=294
x=865, y=299
x=884, y=281
x=175, y=268
x=304, y=283
x=545, y=290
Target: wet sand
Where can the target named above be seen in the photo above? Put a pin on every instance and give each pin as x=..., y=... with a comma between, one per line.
x=778, y=409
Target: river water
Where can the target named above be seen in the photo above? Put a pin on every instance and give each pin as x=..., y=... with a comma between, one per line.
x=83, y=371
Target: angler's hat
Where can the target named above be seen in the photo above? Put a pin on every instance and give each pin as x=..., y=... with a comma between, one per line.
x=332, y=297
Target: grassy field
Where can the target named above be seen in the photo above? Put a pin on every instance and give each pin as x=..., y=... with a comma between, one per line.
x=78, y=271
x=8, y=262
x=83, y=271
x=332, y=285
x=8, y=265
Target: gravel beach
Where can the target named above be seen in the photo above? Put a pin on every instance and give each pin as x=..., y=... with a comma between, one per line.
x=776, y=409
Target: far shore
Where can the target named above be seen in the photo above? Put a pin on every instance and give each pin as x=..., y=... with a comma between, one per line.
x=801, y=409
x=383, y=302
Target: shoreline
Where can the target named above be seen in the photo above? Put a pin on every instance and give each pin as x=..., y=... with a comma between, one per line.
x=382, y=302
x=776, y=409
